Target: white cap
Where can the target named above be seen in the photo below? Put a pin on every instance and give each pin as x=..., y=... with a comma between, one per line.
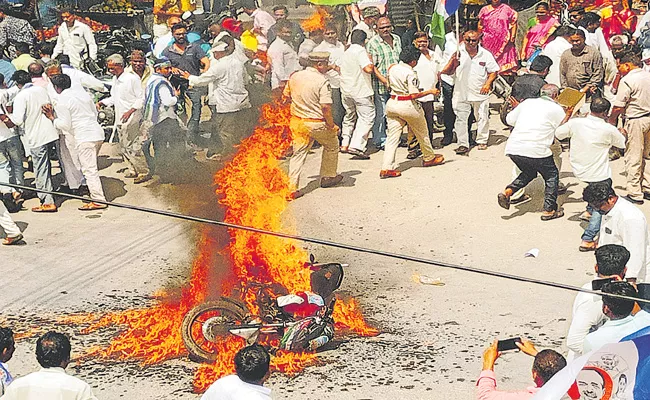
x=645, y=55
x=220, y=46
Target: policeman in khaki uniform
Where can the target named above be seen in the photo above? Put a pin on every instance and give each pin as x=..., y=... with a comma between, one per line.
x=402, y=109
x=311, y=119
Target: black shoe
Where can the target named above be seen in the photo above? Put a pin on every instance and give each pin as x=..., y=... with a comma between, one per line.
x=358, y=154
x=446, y=142
x=412, y=155
x=646, y=196
x=631, y=200
x=462, y=150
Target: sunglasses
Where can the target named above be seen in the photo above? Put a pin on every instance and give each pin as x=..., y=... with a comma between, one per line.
x=471, y=40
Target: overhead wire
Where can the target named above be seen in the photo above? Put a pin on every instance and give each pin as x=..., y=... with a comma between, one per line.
x=329, y=243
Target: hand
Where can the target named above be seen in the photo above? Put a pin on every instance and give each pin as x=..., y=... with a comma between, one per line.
x=569, y=110
x=455, y=62
x=48, y=111
x=177, y=92
x=435, y=92
x=623, y=131
x=99, y=106
x=513, y=102
x=127, y=115
x=486, y=89
x=527, y=347
x=585, y=89
x=334, y=128
x=490, y=356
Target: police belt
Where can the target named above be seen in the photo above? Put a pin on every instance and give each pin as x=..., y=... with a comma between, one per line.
x=401, y=98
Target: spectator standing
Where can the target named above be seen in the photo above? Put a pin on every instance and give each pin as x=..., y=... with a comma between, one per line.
x=547, y=363
x=281, y=12
x=76, y=113
x=51, y=382
x=591, y=139
x=633, y=103
x=409, y=32
x=45, y=51
x=282, y=56
x=189, y=57
x=311, y=119
x=447, y=86
x=622, y=223
x=139, y=66
x=40, y=134
x=497, y=26
x=554, y=51
x=76, y=40
x=588, y=316
x=590, y=25
x=14, y=30
x=7, y=348
x=427, y=69
x=474, y=71
x=356, y=91
x=581, y=67
x=620, y=321
x=540, y=33
x=252, y=370
x=367, y=24
x=576, y=13
x=621, y=21
x=127, y=98
x=528, y=146
x=331, y=45
x=402, y=110
x=384, y=49
x=167, y=39
x=262, y=22
x=11, y=149
x=23, y=58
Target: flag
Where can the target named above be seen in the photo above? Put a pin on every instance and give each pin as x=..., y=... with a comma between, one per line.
x=617, y=371
x=442, y=11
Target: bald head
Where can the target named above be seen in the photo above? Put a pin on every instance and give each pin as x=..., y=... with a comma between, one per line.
x=35, y=70
x=550, y=90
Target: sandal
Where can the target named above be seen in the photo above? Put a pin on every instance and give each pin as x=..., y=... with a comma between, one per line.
x=554, y=215
x=92, y=206
x=11, y=240
x=45, y=208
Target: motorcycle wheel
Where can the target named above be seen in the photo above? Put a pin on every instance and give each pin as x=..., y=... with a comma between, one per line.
x=224, y=311
x=505, y=108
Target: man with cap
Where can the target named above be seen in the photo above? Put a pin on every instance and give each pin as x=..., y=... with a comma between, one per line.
x=228, y=99
x=402, y=110
x=282, y=56
x=311, y=119
x=370, y=16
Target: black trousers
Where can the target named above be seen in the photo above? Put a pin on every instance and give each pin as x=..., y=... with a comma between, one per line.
x=168, y=139
x=448, y=112
x=530, y=167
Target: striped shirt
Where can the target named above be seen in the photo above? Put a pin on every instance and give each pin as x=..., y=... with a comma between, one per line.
x=383, y=56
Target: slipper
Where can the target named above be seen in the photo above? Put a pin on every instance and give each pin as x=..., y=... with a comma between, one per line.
x=556, y=214
x=504, y=201
x=92, y=206
x=10, y=240
x=45, y=208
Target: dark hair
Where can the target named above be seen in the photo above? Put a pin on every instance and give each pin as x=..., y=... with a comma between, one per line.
x=548, y=363
x=542, y=4
x=409, y=54
x=620, y=308
x=35, y=69
x=612, y=259
x=580, y=33
x=331, y=26
x=600, y=105
x=250, y=4
x=540, y=63
x=252, y=363
x=628, y=56
x=21, y=77
x=281, y=24
x=598, y=192
x=46, y=48
x=6, y=338
x=589, y=18
x=52, y=349
x=63, y=59
x=180, y=25
x=22, y=47
x=579, y=9
x=562, y=31
x=358, y=37
x=281, y=7
x=62, y=81
x=420, y=34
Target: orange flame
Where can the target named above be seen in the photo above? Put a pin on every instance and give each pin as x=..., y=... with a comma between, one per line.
x=316, y=21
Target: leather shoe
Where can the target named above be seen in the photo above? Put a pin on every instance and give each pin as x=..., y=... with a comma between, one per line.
x=358, y=154
x=462, y=150
x=436, y=160
x=389, y=173
x=326, y=182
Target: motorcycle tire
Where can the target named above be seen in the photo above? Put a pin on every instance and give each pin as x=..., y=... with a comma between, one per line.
x=199, y=350
x=504, y=109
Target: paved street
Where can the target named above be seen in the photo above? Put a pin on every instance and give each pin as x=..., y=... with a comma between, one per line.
x=432, y=336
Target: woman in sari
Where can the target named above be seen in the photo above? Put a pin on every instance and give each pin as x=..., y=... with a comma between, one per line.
x=498, y=26
x=619, y=21
x=538, y=35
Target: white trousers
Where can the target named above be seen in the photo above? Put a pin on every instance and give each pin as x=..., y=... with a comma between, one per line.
x=8, y=224
x=463, y=109
x=70, y=160
x=358, y=121
x=400, y=113
x=88, y=152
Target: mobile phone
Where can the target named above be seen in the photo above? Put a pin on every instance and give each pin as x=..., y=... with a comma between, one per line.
x=597, y=284
x=508, y=344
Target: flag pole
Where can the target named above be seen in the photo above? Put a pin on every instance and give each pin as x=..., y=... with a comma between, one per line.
x=457, y=34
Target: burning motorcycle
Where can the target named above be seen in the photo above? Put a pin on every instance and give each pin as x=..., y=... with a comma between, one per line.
x=301, y=321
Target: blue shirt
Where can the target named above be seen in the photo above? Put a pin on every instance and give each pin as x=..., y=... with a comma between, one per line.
x=7, y=69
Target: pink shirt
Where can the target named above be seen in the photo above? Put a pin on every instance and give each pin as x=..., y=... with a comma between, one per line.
x=487, y=389
x=39, y=81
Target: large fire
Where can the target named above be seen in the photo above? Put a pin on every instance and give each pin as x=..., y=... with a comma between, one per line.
x=254, y=191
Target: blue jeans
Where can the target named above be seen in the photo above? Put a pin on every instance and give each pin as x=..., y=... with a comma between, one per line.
x=594, y=225
x=193, y=121
x=379, y=127
x=43, y=172
x=11, y=163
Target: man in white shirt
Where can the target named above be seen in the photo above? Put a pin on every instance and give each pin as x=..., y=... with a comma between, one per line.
x=331, y=45
x=252, y=369
x=76, y=113
x=529, y=147
x=474, y=73
x=619, y=311
x=75, y=40
x=356, y=92
x=228, y=98
x=588, y=316
x=128, y=99
x=39, y=134
x=554, y=51
x=447, y=86
x=427, y=68
x=11, y=149
x=283, y=58
x=51, y=382
x=262, y=21
x=370, y=16
x=591, y=139
x=622, y=223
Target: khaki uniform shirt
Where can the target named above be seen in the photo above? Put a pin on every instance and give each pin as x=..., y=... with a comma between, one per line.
x=634, y=94
x=309, y=90
x=578, y=71
x=403, y=80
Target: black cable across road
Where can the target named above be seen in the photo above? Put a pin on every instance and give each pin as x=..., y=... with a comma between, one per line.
x=404, y=257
